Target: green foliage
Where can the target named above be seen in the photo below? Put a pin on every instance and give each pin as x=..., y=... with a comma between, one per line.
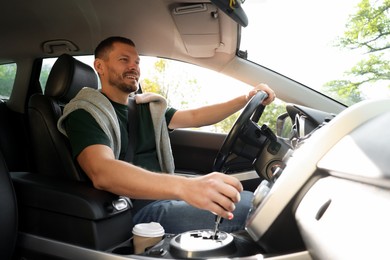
x=367, y=30
x=173, y=82
x=153, y=84
x=44, y=75
x=160, y=65
x=182, y=91
x=7, y=78
x=149, y=85
x=225, y=125
x=348, y=90
x=270, y=114
x=369, y=27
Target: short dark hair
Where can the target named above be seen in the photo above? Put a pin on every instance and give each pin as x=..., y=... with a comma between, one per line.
x=107, y=44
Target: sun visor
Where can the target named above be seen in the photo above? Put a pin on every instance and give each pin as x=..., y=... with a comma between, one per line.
x=198, y=25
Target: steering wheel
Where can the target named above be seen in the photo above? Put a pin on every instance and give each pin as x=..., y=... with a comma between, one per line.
x=254, y=107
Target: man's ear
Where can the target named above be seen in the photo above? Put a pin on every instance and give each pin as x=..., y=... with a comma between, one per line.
x=98, y=64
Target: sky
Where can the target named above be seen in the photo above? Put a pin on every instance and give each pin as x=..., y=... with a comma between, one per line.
x=296, y=37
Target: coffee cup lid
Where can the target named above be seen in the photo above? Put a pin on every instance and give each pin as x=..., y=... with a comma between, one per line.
x=152, y=229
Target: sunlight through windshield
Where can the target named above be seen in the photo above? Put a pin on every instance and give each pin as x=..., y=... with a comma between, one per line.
x=323, y=45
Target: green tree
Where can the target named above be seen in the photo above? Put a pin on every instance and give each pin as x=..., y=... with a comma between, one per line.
x=271, y=113
x=368, y=30
x=7, y=78
x=269, y=116
x=44, y=75
x=153, y=84
x=177, y=84
x=149, y=85
x=225, y=125
x=173, y=82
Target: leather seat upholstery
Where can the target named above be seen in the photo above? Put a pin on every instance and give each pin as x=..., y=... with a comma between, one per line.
x=9, y=213
x=51, y=150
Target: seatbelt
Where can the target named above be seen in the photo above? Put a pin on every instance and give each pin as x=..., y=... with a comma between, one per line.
x=132, y=124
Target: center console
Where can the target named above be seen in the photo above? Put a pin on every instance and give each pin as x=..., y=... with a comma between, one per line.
x=196, y=244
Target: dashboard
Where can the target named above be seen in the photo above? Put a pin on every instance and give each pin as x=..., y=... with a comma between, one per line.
x=332, y=197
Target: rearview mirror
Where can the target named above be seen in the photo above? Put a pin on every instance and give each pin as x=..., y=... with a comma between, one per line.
x=233, y=9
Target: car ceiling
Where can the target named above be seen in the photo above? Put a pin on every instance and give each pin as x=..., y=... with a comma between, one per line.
x=192, y=36
x=84, y=23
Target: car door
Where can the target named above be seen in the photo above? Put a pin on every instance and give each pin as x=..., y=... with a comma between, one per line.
x=194, y=151
x=186, y=86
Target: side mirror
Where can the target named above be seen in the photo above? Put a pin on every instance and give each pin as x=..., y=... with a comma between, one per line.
x=284, y=126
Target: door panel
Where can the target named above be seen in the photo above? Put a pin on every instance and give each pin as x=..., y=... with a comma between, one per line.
x=195, y=151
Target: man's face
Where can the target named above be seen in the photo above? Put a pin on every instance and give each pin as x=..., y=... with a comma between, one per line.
x=122, y=68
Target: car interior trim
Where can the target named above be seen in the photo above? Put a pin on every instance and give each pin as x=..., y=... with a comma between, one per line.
x=56, y=248
x=354, y=157
x=304, y=163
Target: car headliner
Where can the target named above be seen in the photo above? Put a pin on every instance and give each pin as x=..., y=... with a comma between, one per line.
x=43, y=28
x=149, y=23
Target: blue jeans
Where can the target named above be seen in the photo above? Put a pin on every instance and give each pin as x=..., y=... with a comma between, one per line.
x=177, y=216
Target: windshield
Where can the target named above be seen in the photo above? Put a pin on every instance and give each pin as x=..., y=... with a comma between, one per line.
x=340, y=48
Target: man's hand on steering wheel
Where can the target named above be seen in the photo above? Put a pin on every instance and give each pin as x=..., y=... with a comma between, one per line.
x=262, y=87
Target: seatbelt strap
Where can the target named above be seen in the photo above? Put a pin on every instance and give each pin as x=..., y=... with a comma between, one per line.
x=132, y=125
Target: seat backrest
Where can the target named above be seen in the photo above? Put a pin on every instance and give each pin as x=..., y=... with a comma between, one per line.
x=9, y=213
x=51, y=150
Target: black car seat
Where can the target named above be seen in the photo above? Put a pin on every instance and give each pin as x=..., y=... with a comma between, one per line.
x=57, y=200
x=51, y=150
x=9, y=213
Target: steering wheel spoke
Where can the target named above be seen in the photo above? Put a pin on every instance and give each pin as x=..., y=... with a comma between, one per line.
x=244, y=137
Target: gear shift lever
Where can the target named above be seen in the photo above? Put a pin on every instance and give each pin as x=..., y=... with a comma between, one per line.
x=218, y=220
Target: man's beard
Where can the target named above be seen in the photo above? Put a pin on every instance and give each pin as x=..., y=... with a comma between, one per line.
x=118, y=81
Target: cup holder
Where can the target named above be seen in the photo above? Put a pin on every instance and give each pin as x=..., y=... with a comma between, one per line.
x=126, y=248
x=123, y=250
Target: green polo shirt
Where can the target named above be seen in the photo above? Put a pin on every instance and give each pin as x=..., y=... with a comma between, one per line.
x=83, y=131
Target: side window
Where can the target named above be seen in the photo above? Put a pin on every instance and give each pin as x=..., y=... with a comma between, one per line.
x=7, y=79
x=48, y=63
x=188, y=86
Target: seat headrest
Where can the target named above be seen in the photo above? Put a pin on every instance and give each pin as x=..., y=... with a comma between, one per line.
x=67, y=77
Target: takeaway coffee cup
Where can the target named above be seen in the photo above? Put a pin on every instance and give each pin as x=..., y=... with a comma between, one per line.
x=146, y=235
